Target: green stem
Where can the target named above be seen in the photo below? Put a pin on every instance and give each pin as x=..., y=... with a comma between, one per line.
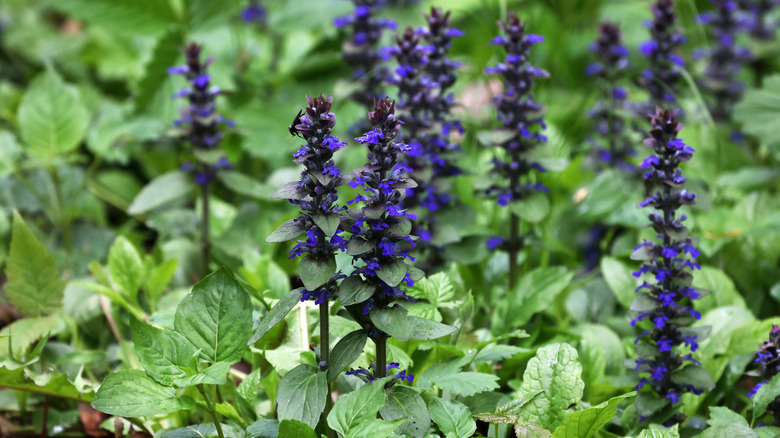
x=514, y=247
x=62, y=216
x=212, y=411
x=205, y=245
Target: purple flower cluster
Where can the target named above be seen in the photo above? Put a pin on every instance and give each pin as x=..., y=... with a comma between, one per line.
x=519, y=113
x=768, y=359
x=254, y=13
x=725, y=59
x=756, y=20
x=662, y=306
x=200, y=119
x=361, y=51
x=315, y=193
x=664, y=73
x=369, y=376
x=614, y=148
x=380, y=231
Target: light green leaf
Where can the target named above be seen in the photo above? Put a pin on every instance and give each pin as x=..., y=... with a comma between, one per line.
x=404, y=402
x=766, y=394
x=216, y=317
x=159, y=278
x=161, y=191
x=295, y=429
x=244, y=185
x=302, y=395
x=723, y=416
x=758, y=111
x=34, y=285
x=276, y=314
x=194, y=431
x=163, y=353
x=532, y=209
x=655, y=431
x=452, y=417
x=126, y=267
x=131, y=393
x=52, y=119
x=621, y=282
x=357, y=406
x=467, y=383
x=216, y=374
x=723, y=291
x=270, y=429
x=347, y=350
x=17, y=337
x=437, y=289
x=532, y=295
x=730, y=431
x=586, y=423
x=531, y=430
x=55, y=385
x=132, y=17
x=249, y=387
x=374, y=428
x=767, y=431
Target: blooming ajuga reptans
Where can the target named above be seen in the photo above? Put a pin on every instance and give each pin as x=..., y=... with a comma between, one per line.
x=663, y=306
x=664, y=73
x=768, y=359
x=361, y=51
x=315, y=194
x=725, y=59
x=200, y=119
x=368, y=376
x=614, y=147
x=757, y=21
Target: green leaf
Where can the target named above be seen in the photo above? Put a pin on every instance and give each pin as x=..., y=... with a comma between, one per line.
x=138, y=17
x=249, y=387
x=425, y=329
x=244, y=185
x=161, y=191
x=270, y=429
x=531, y=430
x=532, y=209
x=328, y=223
x=354, y=290
x=721, y=287
x=766, y=394
x=404, y=402
x=723, y=416
x=696, y=376
x=758, y=112
x=10, y=152
x=216, y=317
x=357, y=406
x=295, y=429
x=767, y=431
x=585, y=424
x=16, y=338
x=393, y=272
x=194, y=431
x=647, y=403
x=216, y=374
x=288, y=230
x=551, y=383
x=131, y=393
x=437, y=289
x=34, y=286
x=163, y=353
x=347, y=350
x=357, y=246
x=316, y=272
x=532, y=295
x=302, y=395
x=159, y=278
x=452, y=417
x=156, y=83
x=126, y=267
x=56, y=385
x=374, y=428
x=276, y=314
x=467, y=383
x=621, y=282
x=656, y=431
x=52, y=119
x=730, y=431
x=393, y=321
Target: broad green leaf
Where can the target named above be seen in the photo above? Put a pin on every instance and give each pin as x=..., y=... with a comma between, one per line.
x=353, y=290
x=655, y=431
x=249, y=387
x=288, y=230
x=216, y=374
x=730, y=431
x=131, y=393
x=34, y=286
x=532, y=295
x=242, y=184
x=767, y=431
x=357, y=406
x=723, y=292
x=302, y=395
x=621, y=282
x=156, y=85
x=696, y=376
x=437, y=289
x=55, y=385
x=532, y=209
x=404, y=402
x=126, y=267
x=723, y=416
x=552, y=382
x=316, y=272
x=328, y=223
x=374, y=428
x=467, y=383
x=647, y=403
x=276, y=314
x=216, y=317
x=393, y=321
x=163, y=353
x=17, y=337
x=393, y=272
x=228, y=411
x=295, y=429
x=495, y=352
x=758, y=112
x=194, y=431
x=131, y=17
x=766, y=394
x=586, y=423
x=10, y=152
x=531, y=430
x=52, y=119
x=270, y=429
x=347, y=350
x=159, y=278
x=425, y=329
x=452, y=417
x=161, y=191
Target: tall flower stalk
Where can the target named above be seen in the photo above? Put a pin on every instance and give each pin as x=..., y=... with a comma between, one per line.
x=613, y=146
x=380, y=231
x=663, y=305
x=758, y=22
x=768, y=360
x=523, y=123
x=662, y=77
x=200, y=123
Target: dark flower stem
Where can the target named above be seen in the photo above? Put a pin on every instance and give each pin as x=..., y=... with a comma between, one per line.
x=381, y=356
x=515, y=244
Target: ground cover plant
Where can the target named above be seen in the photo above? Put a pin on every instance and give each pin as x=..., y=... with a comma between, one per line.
x=376, y=218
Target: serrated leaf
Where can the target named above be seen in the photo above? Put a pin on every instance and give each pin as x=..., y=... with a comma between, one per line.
x=288, y=230
x=216, y=374
x=586, y=423
x=163, y=353
x=437, y=289
x=126, y=267
x=52, y=119
x=357, y=406
x=452, y=417
x=656, y=431
x=723, y=416
x=531, y=430
x=160, y=191
x=34, y=286
x=216, y=317
x=374, y=428
x=249, y=387
x=270, y=429
x=276, y=314
x=766, y=394
x=347, y=350
x=498, y=418
x=315, y=272
x=131, y=393
x=295, y=429
x=302, y=395
x=467, y=383
x=404, y=402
